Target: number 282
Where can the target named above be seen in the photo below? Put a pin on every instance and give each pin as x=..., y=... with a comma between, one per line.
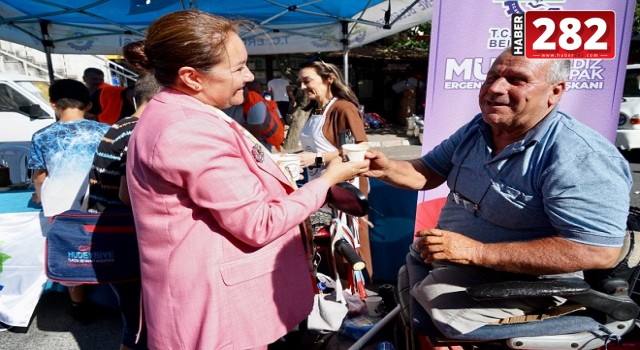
x=570, y=39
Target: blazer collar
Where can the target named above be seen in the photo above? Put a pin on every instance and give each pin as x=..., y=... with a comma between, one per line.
x=268, y=164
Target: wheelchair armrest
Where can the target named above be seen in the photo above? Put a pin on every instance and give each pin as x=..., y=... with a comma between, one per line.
x=617, y=305
x=527, y=289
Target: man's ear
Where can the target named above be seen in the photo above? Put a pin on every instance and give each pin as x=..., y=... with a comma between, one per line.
x=88, y=107
x=556, y=92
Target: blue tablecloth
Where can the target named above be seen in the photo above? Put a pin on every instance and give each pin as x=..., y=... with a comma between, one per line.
x=17, y=201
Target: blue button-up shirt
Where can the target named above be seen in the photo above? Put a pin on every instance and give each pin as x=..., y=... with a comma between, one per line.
x=563, y=178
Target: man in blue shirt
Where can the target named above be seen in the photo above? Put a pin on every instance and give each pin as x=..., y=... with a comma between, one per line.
x=533, y=192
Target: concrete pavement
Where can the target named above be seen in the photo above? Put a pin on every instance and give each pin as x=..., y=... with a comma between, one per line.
x=53, y=328
x=394, y=142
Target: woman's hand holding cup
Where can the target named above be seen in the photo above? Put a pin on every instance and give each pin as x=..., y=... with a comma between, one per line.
x=339, y=171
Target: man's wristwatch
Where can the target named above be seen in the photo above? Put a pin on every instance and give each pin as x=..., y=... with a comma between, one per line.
x=319, y=161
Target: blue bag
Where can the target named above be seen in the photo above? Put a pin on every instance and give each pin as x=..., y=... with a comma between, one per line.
x=92, y=248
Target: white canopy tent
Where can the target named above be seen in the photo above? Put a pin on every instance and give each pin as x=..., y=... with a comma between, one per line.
x=275, y=26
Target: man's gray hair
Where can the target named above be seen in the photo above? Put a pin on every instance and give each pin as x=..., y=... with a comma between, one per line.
x=559, y=71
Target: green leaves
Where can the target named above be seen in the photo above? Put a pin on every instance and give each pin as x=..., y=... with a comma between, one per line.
x=3, y=258
x=416, y=38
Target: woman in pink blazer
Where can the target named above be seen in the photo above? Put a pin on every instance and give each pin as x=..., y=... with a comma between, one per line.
x=223, y=261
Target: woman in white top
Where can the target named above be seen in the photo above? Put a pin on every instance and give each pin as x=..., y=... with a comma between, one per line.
x=334, y=114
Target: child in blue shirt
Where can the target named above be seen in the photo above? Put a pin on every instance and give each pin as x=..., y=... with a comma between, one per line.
x=60, y=157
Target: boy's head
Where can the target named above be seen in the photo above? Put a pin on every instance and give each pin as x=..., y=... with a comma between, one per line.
x=69, y=93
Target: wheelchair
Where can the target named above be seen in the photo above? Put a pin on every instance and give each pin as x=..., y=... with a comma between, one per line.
x=609, y=302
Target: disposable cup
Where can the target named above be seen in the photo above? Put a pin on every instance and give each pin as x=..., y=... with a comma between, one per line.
x=355, y=151
x=290, y=163
x=374, y=305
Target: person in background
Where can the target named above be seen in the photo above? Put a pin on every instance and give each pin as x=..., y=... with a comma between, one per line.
x=93, y=79
x=108, y=191
x=334, y=116
x=108, y=103
x=112, y=103
x=60, y=157
x=223, y=259
x=533, y=193
x=253, y=112
x=278, y=90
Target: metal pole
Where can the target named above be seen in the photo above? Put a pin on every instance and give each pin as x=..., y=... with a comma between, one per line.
x=372, y=332
x=345, y=50
x=47, y=43
x=345, y=61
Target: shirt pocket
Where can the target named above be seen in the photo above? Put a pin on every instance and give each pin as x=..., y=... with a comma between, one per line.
x=511, y=208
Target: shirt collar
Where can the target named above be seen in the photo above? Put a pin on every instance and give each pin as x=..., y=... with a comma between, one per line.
x=532, y=136
x=539, y=131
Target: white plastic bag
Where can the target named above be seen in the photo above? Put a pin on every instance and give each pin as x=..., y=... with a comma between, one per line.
x=327, y=313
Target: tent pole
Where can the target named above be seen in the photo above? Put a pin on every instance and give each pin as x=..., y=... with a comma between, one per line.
x=47, y=51
x=345, y=61
x=48, y=45
x=345, y=50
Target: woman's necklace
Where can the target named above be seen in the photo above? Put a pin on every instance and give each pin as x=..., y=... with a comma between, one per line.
x=320, y=110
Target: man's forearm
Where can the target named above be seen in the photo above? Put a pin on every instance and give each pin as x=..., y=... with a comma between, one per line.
x=546, y=256
x=411, y=175
x=402, y=174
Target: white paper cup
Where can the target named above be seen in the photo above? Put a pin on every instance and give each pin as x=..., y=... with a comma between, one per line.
x=290, y=163
x=355, y=151
x=374, y=305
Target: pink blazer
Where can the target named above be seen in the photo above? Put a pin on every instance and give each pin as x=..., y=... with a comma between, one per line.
x=223, y=264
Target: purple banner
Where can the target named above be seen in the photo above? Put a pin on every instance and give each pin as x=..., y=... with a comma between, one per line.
x=467, y=35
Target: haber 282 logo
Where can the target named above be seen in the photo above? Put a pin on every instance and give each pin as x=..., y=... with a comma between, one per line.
x=564, y=34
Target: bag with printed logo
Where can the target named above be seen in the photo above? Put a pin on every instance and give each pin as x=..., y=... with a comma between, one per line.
x=92, y=248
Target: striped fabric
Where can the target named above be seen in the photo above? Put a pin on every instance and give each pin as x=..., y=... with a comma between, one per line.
x=109, y=165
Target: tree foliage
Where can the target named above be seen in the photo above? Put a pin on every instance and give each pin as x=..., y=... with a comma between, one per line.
x=415, y=39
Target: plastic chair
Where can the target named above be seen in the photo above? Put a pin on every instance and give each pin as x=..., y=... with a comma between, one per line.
x=611, y=298
x=15, y=156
